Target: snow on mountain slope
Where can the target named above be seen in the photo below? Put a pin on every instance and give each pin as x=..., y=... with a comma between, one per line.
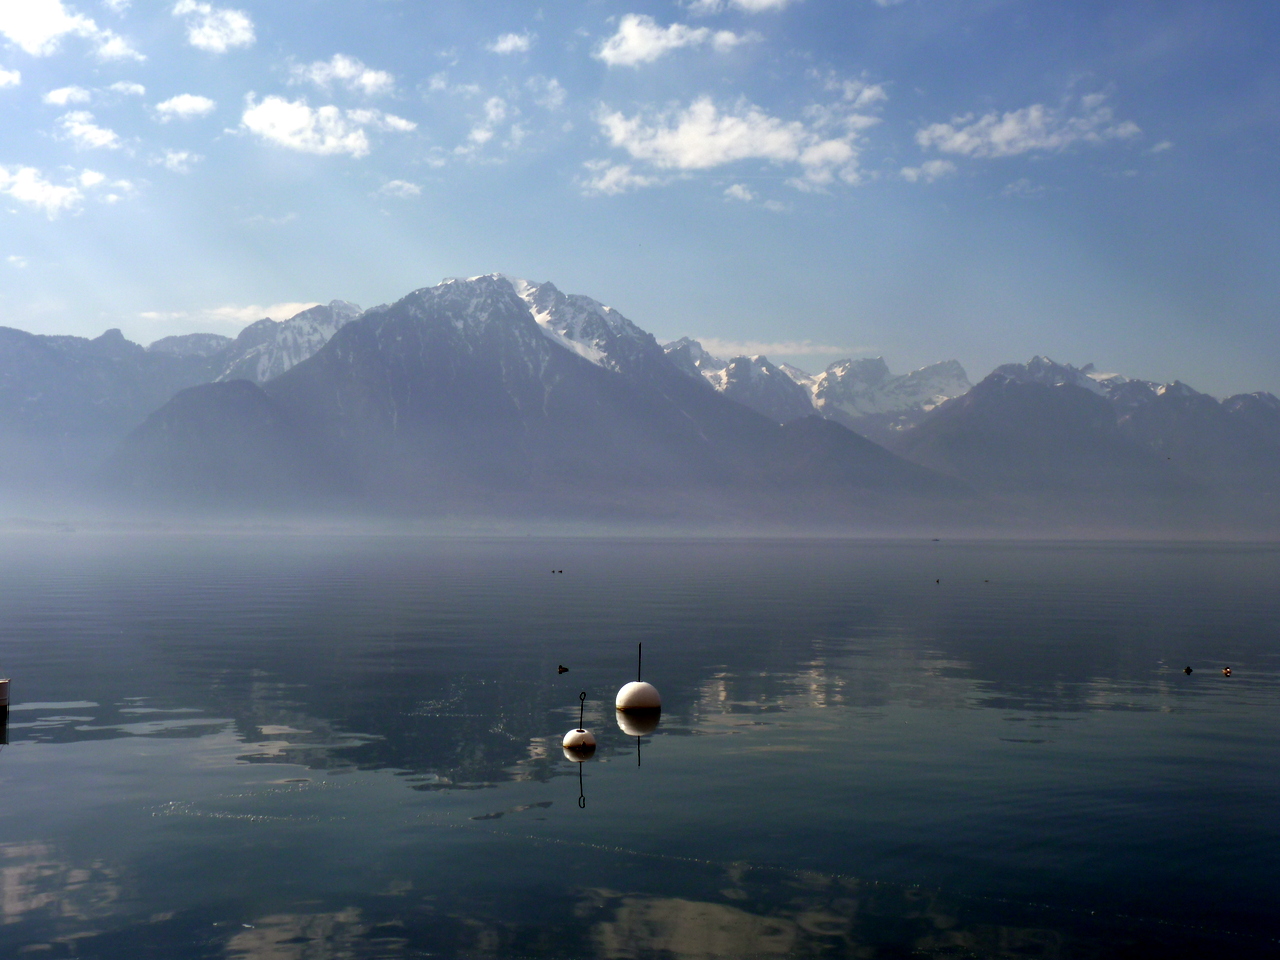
x=588, y=327
x=689, y=356
x=852, y=389
x=268, y=348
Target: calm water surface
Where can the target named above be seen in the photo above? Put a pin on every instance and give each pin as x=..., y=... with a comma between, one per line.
x=298, y=748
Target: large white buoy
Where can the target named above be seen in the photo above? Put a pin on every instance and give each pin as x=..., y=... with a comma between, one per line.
x=638, y=695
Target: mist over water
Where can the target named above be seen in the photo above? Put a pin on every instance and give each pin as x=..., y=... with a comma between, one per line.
x=278, y=745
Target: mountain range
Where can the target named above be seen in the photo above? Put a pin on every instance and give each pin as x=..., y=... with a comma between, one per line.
x=492, y=396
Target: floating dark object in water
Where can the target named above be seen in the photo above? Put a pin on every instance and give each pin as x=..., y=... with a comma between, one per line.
x=1226, y=671
x=579, y=744
x=4, y=693
x=637, y=695
x=937, y=581
x=562, y=669
x=1187, y=670
x=935, y=539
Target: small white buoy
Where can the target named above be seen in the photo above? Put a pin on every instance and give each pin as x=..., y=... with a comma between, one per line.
x=579, y=744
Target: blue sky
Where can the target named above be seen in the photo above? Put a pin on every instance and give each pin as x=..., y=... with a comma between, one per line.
x=924, y=180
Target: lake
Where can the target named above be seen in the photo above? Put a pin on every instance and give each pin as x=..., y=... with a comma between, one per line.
x=299, y=747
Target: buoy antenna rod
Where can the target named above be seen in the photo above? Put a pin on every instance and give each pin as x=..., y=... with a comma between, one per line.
x=582, y=706
x=639, y=659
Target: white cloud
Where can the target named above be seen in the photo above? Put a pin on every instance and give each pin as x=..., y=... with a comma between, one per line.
x=91, y=178
x=1036, y=128
x=1162, y=146
x=246, y=315
x=185, y=106
x=640, y=40
x=27, y=185
x=64, y=95
x=512, y=43
x=929, y=171
x=178, y=161
x=547, y=92
x=702, y=136
x=857, y=94
x=128, y=89
x=739, y=191
x=401, y=189
x=495, y=112
x=232, y=316
x=321, y=130
x=215, y=29
x=776, y=348
x=10, y=78
x=703, y=7
x=610, y=179
x=78, y=127
x=1023, y=189
x=347, y=71
x=381, y=121
x=117, y=6
x=17, y=262
x=38, y=26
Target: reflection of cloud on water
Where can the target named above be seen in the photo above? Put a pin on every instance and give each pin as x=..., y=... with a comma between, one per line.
x=309, y=936
x=36, y=884
x=690, y=930
x=770, y=914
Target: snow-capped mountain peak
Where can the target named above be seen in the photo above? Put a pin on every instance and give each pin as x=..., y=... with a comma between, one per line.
x=587, y=327
x=268, y=348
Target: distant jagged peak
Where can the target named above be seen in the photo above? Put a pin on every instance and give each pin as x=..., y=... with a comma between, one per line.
x=267, y=348
x=850, y=389
x=190, y=344
x=802, y=377
x=1050, y=373
x=866, y=370
x=756, y=383
x=1177, y=389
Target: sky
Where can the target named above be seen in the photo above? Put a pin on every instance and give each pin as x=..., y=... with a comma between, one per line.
x=981, y=180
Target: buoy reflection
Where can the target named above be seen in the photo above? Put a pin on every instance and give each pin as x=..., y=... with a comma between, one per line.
x=638, y=723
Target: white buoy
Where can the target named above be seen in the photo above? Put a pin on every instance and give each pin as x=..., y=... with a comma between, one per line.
x=579, y=744
x=577, y=740
x=638, y=695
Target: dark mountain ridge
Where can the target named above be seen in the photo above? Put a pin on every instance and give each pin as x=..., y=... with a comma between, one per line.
x=455, y=399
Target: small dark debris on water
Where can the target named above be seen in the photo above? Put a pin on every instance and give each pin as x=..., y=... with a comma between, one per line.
x=562, y=669
x=1187, y=670
x=937, y=581
x=1226, y=671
